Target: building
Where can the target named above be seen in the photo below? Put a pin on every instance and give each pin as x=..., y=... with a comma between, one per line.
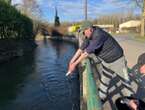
x=130, y=26
x=107, y=27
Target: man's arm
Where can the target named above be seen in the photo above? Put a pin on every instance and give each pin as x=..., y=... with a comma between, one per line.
x=82, y=56
x=72, y=66
x=77, y=54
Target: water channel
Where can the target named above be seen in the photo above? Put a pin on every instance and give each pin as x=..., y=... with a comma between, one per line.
x=37, y=81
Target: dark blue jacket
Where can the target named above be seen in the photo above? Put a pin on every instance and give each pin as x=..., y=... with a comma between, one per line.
x=103, y=45
x=140, y=80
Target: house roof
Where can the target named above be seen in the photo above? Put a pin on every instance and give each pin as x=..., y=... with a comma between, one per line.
x=131, y=23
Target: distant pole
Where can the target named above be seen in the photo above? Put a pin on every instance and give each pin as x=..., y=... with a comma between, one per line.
x=85, y=8
x=143, y=20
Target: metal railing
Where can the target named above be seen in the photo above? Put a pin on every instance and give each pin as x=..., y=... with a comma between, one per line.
x=89, y=89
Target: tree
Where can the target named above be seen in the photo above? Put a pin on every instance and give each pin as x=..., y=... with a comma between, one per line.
x=141, y=4
x=7, y=1
x=143, y=20
x=30, y=8
x=13, y=24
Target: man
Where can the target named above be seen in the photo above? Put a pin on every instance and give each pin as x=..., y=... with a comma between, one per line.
x=138, y=73
x=130, y=103
x=105, y=47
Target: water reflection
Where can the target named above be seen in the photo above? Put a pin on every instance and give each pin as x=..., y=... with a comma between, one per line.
x=12, y=77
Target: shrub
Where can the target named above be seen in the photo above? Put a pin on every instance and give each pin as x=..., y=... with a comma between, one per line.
x=13, y=24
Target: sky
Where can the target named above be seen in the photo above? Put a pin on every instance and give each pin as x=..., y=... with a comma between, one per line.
x=73, y=10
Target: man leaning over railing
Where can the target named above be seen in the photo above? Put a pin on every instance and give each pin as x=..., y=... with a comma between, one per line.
x=107, y=49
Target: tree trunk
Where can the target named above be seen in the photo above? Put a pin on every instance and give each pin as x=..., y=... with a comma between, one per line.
x=143, y=20
x=142, y=26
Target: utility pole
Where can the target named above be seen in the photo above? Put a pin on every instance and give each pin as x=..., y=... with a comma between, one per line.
x=85, y=9
x=143, y=20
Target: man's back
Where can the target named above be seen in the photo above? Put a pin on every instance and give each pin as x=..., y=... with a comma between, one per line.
x=110, y=50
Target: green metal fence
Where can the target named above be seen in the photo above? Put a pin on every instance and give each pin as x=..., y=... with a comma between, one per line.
x=90, y=88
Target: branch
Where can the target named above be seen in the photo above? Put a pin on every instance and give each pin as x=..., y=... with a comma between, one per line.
x=138, y=3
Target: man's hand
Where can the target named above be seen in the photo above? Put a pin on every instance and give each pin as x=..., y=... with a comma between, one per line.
x=71, y=68
x=133, y=104
x=71, y=62
x=142, y=69
x=75, y=57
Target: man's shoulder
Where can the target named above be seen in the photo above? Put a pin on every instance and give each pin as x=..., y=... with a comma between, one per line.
x=97, y=31
x=100, y=31
x=96, y=27
x=100, y=34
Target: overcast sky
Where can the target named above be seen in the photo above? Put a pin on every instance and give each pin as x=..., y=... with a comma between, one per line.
x=72, y=10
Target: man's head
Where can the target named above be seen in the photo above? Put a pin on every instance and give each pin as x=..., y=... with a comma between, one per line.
x=141, y=63
x=86, y=28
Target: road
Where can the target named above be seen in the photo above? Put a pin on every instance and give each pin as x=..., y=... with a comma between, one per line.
x=132, y=48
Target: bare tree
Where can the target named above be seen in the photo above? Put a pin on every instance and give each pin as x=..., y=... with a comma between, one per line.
x=31, y=9
x=116, y=18
x=141, y=4
x=143, y=20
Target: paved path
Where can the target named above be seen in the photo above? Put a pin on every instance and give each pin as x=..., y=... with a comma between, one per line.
x=132, y=48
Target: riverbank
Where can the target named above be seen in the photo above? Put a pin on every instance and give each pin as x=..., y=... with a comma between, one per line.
x=11, y=48
x=68, y=38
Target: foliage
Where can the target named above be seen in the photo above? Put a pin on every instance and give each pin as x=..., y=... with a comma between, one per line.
x=116, y=18
x=13, y=24
x=139, y=3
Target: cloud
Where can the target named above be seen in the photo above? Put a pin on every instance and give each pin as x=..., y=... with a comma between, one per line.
x=73, y=10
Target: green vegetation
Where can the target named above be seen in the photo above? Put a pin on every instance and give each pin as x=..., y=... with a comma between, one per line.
x=16, y=32
x=7, y=1
x=13, y=24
